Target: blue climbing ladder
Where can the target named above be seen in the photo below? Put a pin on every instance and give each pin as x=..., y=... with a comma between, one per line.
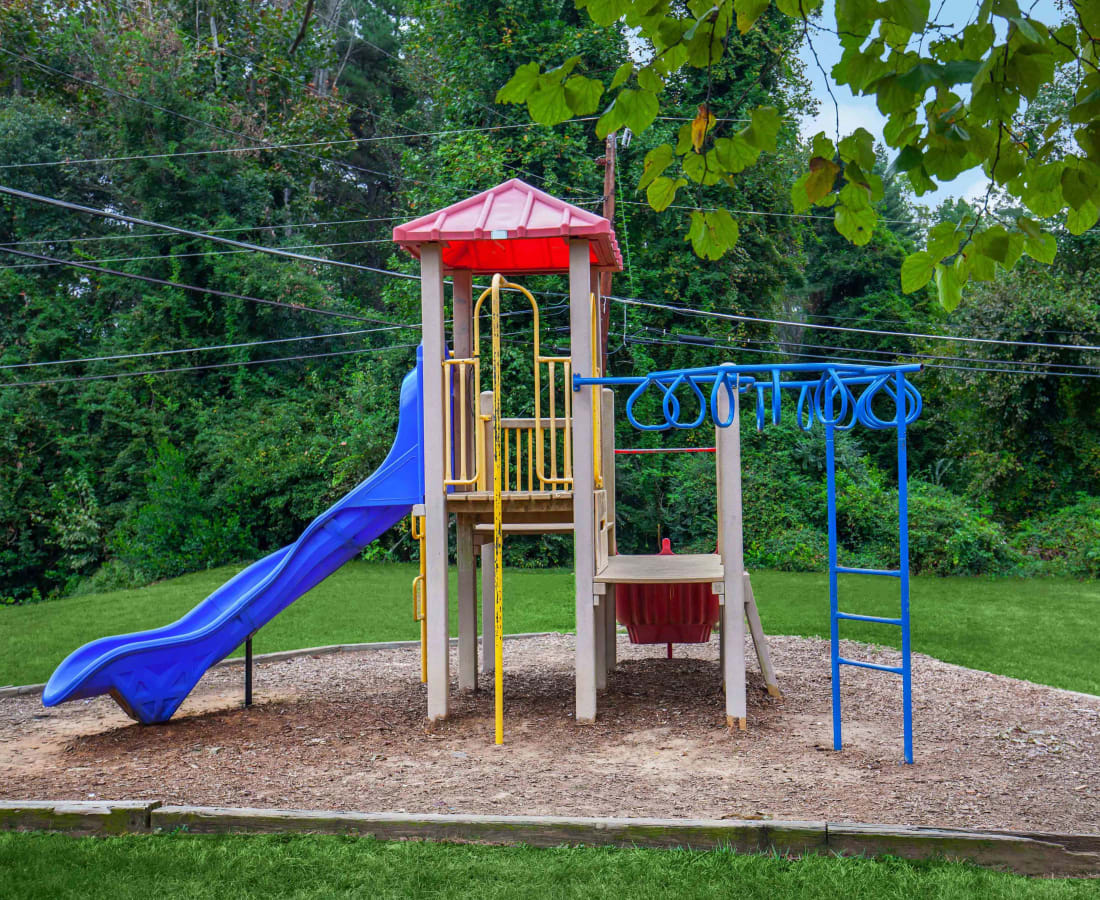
x=899, y=394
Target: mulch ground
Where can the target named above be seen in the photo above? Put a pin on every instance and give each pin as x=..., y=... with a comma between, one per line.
x=349, y=732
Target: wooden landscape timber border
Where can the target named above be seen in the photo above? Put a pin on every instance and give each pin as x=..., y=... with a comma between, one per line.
x=1061, y=855
x=21, y=689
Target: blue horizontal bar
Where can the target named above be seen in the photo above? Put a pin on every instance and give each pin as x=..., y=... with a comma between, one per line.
x=897, y=670
x=896, y=573
x=857, y=618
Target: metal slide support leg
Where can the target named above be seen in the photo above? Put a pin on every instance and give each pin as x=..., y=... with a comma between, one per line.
x=248, y=672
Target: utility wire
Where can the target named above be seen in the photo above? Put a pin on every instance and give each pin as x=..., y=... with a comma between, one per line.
x=118, y=356
x=193, y=287
x=890, y=353
x=244, y=245
x=338, y=141
x=934, y=337
x=235, y=228
x=252, y=362
x=717, y=345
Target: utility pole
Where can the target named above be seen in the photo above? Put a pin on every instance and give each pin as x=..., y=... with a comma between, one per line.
x=609, y=214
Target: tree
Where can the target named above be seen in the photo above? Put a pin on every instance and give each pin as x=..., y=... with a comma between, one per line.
x=955, y=97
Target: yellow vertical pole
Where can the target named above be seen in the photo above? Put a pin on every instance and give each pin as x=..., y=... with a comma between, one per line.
x=498, y=537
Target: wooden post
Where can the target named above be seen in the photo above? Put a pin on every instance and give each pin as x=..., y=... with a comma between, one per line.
x=731, y=547
x=584, y=505
x=467, y=605
x=485, y=407
x=467, y=572
x=435, y=497
x=607, y=444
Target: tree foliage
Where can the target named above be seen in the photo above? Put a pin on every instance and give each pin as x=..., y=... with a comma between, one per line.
x=956, y=98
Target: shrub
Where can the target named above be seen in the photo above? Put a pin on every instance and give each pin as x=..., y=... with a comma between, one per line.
x=1066, y=541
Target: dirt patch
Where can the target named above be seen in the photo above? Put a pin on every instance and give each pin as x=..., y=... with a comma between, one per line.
x=348, y=732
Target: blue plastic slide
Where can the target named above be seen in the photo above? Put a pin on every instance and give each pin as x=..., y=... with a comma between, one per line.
x=149, y=673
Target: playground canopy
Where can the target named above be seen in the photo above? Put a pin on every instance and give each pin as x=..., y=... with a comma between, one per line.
x=512, y=228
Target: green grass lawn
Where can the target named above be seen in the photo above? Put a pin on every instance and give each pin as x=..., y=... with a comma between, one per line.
x=192, y=866
x=1044, y=630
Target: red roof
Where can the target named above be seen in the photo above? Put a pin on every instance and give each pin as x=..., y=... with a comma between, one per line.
x=512, y=228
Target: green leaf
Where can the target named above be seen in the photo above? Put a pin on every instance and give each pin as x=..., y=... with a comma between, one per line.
x=605, y=12
x=638, y=109
x=547, y=105
x=1042, y=248
x=763, y=131
x=520, y=85
x=656, y=161
x=1078, y=221
x=748, y=11
x=583, y=94
x=663, y=191
x=916, y=271
x=943, y=240
x=621, y=75
x=701, y=168
x=855, y=222
x=649, y=80
x=735, y=154
x=712, y=233
x=910, y=14
x=948, y=287
x=859, y=147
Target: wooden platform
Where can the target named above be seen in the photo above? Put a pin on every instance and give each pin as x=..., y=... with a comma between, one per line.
x=513, y=502
x=657, y=569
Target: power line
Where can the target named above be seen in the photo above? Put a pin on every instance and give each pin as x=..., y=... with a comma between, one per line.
x=934, y=337
x=218, y=150
x=118, y=356
x=765, y=213
x=889, y=353
x=716, y=345
x=193, y=287
x=237, y=228
x=116, y=259
x=252, y=362
x=244, y=245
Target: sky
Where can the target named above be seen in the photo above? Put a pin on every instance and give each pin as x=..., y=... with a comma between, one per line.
x=861, y=112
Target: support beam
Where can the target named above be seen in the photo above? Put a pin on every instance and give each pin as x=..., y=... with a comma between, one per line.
x=584, y=545
x=467, y=605
x=731, y=548
x=435, y=499
x=760, y=640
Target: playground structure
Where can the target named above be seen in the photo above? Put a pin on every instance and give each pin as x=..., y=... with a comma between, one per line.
x=549, y=469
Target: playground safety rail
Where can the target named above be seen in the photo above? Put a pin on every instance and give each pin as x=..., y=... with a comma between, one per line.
x=835, y=395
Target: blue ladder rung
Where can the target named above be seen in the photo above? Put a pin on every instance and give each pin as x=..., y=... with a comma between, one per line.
x=894, y=573
x=897, y=670
x=857, y=618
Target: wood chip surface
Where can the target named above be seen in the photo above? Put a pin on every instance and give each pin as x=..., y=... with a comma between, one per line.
x=348, y=732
